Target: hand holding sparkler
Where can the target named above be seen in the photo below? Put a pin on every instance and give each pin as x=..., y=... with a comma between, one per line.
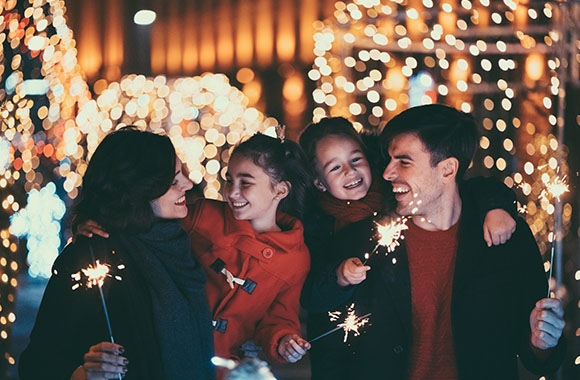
x=547, y=323
x=103, y=361
x=351, y=272
x=292, y=348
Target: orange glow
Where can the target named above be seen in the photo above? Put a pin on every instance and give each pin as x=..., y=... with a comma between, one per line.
x=158, y=54
x=535, y=66
x=225, y=42
x=459, y=72
x=448, y=21
x=285, y=39
x=89, y=42
x=395, y=80
x=207, y=45
x=264, y=32
x=244, y=37
x=521, y=14
x=253, y=90
x=113, y=40
x=190, y=45
x=308, y=15
x=293, y=88
x=174, y=46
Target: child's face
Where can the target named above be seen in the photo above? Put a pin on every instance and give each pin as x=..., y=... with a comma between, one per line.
x=250, y=193
x=343, y=168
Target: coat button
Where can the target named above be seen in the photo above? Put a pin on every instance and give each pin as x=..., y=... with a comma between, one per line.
x=267, y=253
x=398, y=349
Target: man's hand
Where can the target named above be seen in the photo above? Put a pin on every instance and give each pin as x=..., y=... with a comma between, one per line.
x=498, y=227
x=547, y=323
x=90, y=228
x=351, y=272
x=292, y=348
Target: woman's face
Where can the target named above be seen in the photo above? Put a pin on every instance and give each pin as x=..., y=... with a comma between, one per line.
x=343, y=168
x=171, y=205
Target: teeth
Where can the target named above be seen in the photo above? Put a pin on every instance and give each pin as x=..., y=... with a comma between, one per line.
x=180, y=200
x=353, y=183
x=239, y=204
x=400, y=190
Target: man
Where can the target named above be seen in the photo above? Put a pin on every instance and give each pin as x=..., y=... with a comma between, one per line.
x=445, y=305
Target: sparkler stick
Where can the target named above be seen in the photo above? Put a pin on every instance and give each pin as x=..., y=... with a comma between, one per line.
x=95, y=276
x=555, y=189
x=351, y=322
x=389, y=234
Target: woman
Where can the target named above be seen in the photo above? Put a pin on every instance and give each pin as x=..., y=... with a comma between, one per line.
x=134, y=187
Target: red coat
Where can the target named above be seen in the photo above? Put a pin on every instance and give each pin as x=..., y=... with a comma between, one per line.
x=277, y=262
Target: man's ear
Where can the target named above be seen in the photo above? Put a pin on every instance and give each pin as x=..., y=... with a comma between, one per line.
x=319, y=185
x=282, y=189
x=449, y=168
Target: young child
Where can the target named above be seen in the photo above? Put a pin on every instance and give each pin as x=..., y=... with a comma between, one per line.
x=253, y=250
x=350, y=191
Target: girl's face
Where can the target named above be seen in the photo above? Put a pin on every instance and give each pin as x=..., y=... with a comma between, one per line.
x=171, y=205
x=251, y=194
x=344, y=170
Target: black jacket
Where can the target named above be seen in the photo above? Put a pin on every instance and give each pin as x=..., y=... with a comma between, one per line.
x=319, y=236
x=494, y=291
x=70, y=321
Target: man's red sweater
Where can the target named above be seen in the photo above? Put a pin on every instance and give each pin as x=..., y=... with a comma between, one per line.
x=431, y=265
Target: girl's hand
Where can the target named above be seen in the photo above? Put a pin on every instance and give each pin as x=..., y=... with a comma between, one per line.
x=292, y=348
x=89, y=228
x=498, y=227
x=103, y=362
x=351, y=272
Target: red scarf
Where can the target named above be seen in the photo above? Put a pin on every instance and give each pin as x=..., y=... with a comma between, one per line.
x=347, y=212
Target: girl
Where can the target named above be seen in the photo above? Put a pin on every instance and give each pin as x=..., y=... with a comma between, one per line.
x=135, y=188
x=349, y=191
x=253, y=249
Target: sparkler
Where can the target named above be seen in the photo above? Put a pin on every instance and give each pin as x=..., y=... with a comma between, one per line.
x=351, y=323
x=555, y=188
x=94, y=276
x=389, y=234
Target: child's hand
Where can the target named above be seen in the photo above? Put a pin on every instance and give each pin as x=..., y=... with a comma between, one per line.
x=351, y=272
x=292, y=348
x=89, y=228
x=498, y=227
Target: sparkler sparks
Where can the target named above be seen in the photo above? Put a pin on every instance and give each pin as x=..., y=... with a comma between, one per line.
x=351, y=323
x=94, y=275
x=555, y=188
x=390, y=233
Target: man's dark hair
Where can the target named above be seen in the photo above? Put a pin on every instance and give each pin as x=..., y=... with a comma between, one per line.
x=128, y=170
x=444, y=131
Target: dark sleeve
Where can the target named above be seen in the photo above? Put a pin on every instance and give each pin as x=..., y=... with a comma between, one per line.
x=321, y=291
x=64, y=329
x=490, y=193
x=533, y=287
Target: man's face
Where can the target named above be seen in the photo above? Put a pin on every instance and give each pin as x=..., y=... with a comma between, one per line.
x=417, y=185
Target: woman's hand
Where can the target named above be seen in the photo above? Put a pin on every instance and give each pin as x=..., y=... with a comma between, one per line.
x=498, y=227
x=89, y=228
x=103, y=362
x=292, y=348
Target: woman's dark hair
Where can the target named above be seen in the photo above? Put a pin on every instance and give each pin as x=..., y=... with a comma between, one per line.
x=328, y=126
x=444, y=131
x=128, y=170
x=282, y=161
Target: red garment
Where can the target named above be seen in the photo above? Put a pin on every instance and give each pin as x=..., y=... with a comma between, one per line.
x=347, y=212
x=277, y=262
x=431, y=266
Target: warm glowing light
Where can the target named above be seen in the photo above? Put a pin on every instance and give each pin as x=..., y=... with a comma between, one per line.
x=144, y=17
x=351, y=323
